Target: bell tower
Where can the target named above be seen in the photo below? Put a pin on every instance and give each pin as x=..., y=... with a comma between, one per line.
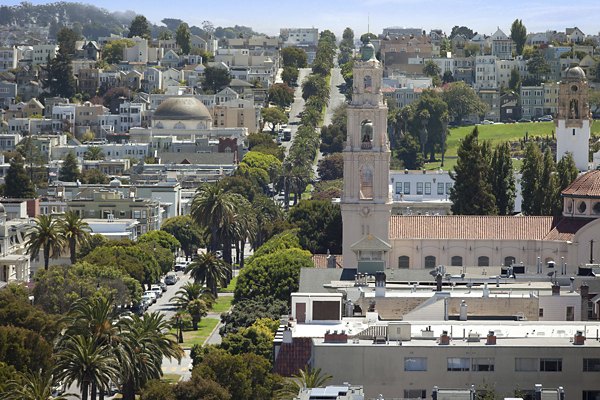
x=366, y=201
x=573, y=121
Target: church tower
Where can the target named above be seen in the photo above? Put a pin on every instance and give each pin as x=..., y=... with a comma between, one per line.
x=366, y=201
x=573, y=121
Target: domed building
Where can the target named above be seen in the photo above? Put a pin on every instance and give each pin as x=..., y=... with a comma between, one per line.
x=182, y=112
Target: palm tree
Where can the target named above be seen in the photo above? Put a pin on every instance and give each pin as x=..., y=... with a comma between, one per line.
x=190, y=291
x=146, y=341
x=214, y=209
x=75, y=230
x=209, y=268
x=93, y=153
x=33, y=386
x=306, y=378
x=80, y=359
x=45, y=236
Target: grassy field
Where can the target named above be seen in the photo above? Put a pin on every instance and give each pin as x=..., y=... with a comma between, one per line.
x=170, y=378
x=222, y=304
x=496, y=133
x=205, y=327
x=230, y=288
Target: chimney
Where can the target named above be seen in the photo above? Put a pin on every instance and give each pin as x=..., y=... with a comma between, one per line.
x=336, y=337
x=555, y=289
x=579, y=339
x=572, y=285
x=287, y=336
x=438, y=282
x=491, y=338
x=331, y=261
x=444, y=338
x=463, y=311
x=379, y=284
x=584, y=291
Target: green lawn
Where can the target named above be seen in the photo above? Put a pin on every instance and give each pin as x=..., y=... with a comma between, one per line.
x=170, y=378
x=230, y=288
x=205, y=327
x=222, y=304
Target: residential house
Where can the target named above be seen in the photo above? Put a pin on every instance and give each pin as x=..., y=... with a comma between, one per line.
x=491, y=97
x=14, y=262
x=110, y=79
x=510, y=108
x=8, y=58
x=142, y=53
x=237, y=113
x=88, y=49
x=132, y=115
x=502, y=45
x=152, y=80
x=394, y=31
x=574, y=35
x=88, y=80
x=171, y=77
x=41, y=53
x=8, y=93
x=169, y=44
x=32, y=108
x=532, y=101
x=8, y=142
x=483, y=42
x=133, y=80
x=170, y=60
x=305, y=38
x=30, y=126
x=485, y=72
x=406, y=55
x=550, y=98
x=29, y=90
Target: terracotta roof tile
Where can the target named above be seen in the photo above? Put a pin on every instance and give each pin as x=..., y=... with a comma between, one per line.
x=566, y=228
x=587, y=185
x=293, y=357
x=470, y=227
x=320, y=260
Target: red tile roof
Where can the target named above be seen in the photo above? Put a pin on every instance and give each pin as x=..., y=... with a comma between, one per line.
x=293, y=357
x=587, y=185
x=320, y=260
x=566, y=228
x=470, y=227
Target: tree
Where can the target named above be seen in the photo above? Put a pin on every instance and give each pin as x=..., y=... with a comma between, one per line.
x=161, y=238
x=158, y=390
x=281, y=95
x=462, y=101
x=294, y=57
x=502, y=179
x=273, y=116
x=94, y=153
x=315, y=85
x=215, y=79
x=531, y=171
x=189, y=292
x=114, y=97
x=306, y=378
x=538, y=69
x=408, y=151
x=139, y=27
x=462, y=30
x=75, y=231
x=514, y=83
x=273, y=275
x=199, y=388
x=245, y=313
x=289, y=76
x=183, y=38
x=431, y=69
x=66, y=39
x=320, y=226
x=255, y=339
x=69, y=171
x=208, y=268
x=447, y=77
x=112, y=52
x=17, y=182
x=549, y=188
x=59, y=81
x=24, y=349
x=33, y=386
x=16, y=310
x=331, y=167
x=45, y=236
x=197, y=309
x=185, y=231
x=567, y=172
x=472, y=192
x=518, y=34
x=94, y=176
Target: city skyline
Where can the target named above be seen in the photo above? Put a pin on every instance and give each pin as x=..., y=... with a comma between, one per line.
x=268, y=16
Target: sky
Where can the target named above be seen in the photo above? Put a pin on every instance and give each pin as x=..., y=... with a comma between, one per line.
x=268, y=16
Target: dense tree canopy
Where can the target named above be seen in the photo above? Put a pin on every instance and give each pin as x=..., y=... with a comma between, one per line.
x=183, y=38
x=518, y=33
x=17, y=183
x=462, y=101
x=215, y=79
x=281, y=95
x=293, y=57
x=139, y=27
x=320, y=226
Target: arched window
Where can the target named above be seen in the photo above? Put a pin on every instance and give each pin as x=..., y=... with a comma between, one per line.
x=430, y=262
x=456, y=261
x=179, y=125
x=404, y=262
x=366, y=134
x=366, y=183
x=596, y=208
x=581, y=207
x=483, y=261
x=510, y=260
x=368, y=83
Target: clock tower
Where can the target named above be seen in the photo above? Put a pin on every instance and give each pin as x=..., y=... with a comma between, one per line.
x=366, y=201
x=573, y=120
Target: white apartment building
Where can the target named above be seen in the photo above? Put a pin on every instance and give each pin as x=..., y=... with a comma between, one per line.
x=8, y=58
x=41, y=53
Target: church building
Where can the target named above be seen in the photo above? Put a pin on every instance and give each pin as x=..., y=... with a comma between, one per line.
x=375, y=240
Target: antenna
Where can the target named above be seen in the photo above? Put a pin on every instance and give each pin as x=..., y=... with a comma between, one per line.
x=368, y=23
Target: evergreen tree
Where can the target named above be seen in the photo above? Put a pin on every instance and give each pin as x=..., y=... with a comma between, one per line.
x=567, y=172
x=549, y=184
x=139, y=27
x=502, y=179
x=472, y=192
x=514, y=83
x=66, y=39
x=17, y=182
x=531, y=171
x=409, y=152
x=69, y=172
x=183, y=38
x=518, y=34
x=59, y=76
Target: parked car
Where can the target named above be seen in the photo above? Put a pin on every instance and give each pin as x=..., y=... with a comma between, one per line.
x=163, y=286
x=180, y=266
x=487, y=122
x=157, y=289
x=150, y=295
x=524, y=120
x=546, y=118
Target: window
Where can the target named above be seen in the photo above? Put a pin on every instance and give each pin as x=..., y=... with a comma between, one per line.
x=456, y=261
x=483, y=261
x=509, y=261
x=430, y=262
x=419, y=187
x=551, y=364
x=398, y=187
x=403, y=262
x=581, y=207
x=525, y=364
x=570, y=313
x=458, y=364
x=482, y=364
x=427, y=188
x=440, y=190
x=591, y=364
x=591, y=395
x=415, y=363
x=406, y=187
x=415, y=393
x=541, y=312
